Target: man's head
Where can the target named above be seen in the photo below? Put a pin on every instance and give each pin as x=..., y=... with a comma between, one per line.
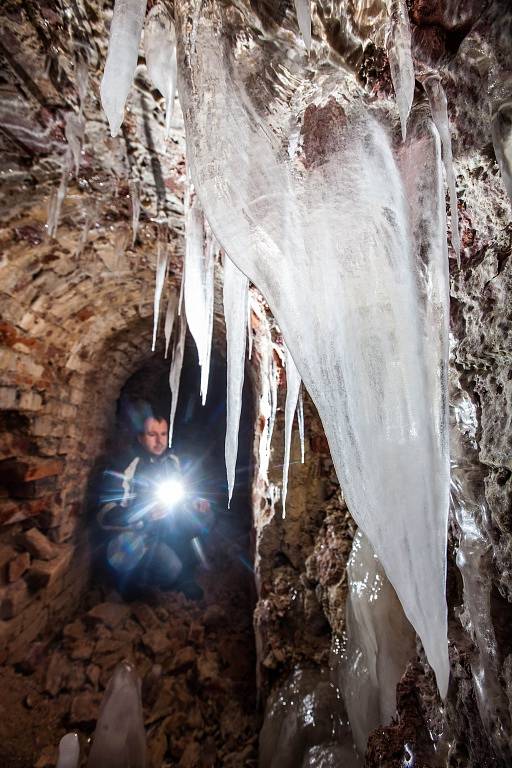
x=155, y=435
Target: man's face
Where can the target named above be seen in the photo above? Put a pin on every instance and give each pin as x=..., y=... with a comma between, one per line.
x=155, y=436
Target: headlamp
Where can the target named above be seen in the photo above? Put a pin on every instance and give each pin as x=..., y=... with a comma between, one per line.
x=170, y=492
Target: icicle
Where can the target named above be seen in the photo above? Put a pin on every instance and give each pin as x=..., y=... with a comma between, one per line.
x=209, y=297
x=438, y=107
x=249, y=325
x=292, y=394
x=273, y=387
x=74, y=131
x=162, y=256
x=236, y=288
x=160, y=48
x=84, y=234
x=58, y=197
x=123, y=50
x=172, y=305
x=175, y=372
x=82, y=80
x=398, y=44
x=194, y=292
x=69, y=751
x=300, y=419
x=134, y=187
x=303, y=9
x=119, y=739
x=353, y=302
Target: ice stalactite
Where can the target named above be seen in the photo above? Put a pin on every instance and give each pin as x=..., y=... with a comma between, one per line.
x=119, y=739
x=58, y=196
x=235, y=294
x=379, y=642
x=162, y=256
x=265, y=405
x=123, y=50
x=194, y=277
x=303, y=9
x=398, y=44
x=300, y=420
x=84, y=234
x=82, y=80
x=378, y=334
x=160, y=49
x=501, y=127
x=134, y=187
x=210, y=250
x=273, y=389
x=438, y=107
x=69, y=751
x=292, y=395
x=74, y=132
x=170, y=314
x=175, y=372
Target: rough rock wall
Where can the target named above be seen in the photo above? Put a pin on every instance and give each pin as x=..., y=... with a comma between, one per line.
x=76, y=307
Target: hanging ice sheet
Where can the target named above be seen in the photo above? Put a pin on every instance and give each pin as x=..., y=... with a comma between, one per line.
x=123, y=50
x=328, y=240
x=236, y=288
x=292, y=394
x=160, y=49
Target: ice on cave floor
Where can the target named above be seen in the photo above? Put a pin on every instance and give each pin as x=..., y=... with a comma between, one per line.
x=300, y=420
x=379, y=643
x=123, y=51
x=439, y=109
x=306, y=725
x=69, y=751
x=398, y=45
x=74, y=131
x=379, y=334
x=235, y=296
x=210, y=251
x=292, y=395
x=119, y=738
x=303, y=9
x=134, y=187
x=160, y=49
x=175, y=371
x=170, y=314
x=162, y=256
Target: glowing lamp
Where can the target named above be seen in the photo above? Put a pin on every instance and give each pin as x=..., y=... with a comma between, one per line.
x=170, y=492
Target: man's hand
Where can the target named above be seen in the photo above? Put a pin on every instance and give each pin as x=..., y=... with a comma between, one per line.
x=158, y=512
x=202, y=506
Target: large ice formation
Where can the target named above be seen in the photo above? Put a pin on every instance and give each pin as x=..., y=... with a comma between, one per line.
x=379, y=643
x=348, y=247
x=123, y=49
x=119, y=739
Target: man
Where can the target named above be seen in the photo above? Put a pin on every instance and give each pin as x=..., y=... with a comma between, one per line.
x=153, y=520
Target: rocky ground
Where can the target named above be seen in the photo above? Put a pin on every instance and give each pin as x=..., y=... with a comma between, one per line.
x=196, y=662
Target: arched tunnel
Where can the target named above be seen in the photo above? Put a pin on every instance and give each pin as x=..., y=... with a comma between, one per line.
x=325, y=187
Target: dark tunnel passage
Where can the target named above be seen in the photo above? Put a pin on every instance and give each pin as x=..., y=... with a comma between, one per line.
x=195, y=658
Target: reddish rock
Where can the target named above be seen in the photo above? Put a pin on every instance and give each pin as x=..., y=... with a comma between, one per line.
x=184, y=659
x=13, y=599
x=85, y=708
x=145, y=615
x=38, y=545
x=18, y=566
x=191, y=757
x=157, y=641
x=56, y=673
x=111, y=614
